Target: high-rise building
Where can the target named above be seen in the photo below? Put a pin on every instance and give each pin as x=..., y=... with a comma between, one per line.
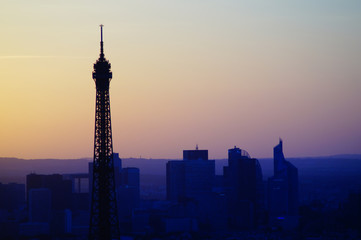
x=128, y=193
x=39, y=200
x=131, y=177
x=80, y=190
x=60, y=189
x=195, y=154
x=117, y=169
x=175, y=180
x=283, y=191
x=191, y=178
x=49, y=198
x=243, y=187
x=104, y=222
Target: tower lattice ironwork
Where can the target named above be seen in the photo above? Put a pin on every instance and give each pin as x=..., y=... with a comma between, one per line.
x=104, y=223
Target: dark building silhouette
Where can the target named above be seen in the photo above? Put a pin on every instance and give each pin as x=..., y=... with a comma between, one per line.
x=130, y=183
x=80, y=190
x=49, y=199
x=283, y=191
x=243, y=187
x=195, y=154
x=191, y=178
x=39, y=203
x=12, y=203
x=117, y=169
x=40, y=210
x=175, y=178
x=128, y=193
x=12, y=196
x=76, y=221
x=194, y=204
x=117, y=172
x=104, y=222
x=130, y=177
x=80, y=182
x=60, y=189
x=127, y=185
x=352, y=211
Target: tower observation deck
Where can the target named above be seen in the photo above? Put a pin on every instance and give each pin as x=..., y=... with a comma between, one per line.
x=104, y=223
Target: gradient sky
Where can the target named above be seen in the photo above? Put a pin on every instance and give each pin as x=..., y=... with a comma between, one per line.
x=212, y=73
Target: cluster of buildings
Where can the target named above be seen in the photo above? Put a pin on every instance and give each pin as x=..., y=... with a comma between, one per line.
x=59, y=205
x=197, y=200
x=237, y=200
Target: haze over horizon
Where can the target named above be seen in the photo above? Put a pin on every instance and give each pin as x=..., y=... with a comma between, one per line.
x=212, y=73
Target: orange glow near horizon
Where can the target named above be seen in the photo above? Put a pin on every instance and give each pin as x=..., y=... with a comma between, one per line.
x=216, y=74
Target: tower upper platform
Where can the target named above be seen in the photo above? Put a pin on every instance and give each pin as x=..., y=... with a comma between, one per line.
x=102, y=73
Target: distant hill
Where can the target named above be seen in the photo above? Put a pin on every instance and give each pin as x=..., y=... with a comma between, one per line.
x=15, y=169
x=338, y=165
x=344, y=156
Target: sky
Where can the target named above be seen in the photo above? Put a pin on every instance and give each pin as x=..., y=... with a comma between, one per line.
x=214, y=73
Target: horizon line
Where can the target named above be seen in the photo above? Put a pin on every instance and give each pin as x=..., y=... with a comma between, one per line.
x=150, y=158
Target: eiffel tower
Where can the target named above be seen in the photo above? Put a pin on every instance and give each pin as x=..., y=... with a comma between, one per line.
x=104, y=222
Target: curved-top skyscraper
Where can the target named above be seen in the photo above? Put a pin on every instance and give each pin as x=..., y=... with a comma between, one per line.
x=283, y=192
x=104, y=223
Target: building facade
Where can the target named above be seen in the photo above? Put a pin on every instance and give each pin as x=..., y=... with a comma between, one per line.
x=243, y=187
x=283, y=191
x=191, y=178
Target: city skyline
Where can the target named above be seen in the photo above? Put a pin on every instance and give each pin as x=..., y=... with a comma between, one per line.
x=217, y=74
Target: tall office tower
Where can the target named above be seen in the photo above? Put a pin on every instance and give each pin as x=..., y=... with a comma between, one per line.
x=49, y=197
x=243, y=182
x=175, y=180
x=191, y=178
x=283, y=191
x=128, y=194
x=131, y=177
x=104, y=223
x=39, y=200
x=60, y=189
x=80, y=191
x=117, y=169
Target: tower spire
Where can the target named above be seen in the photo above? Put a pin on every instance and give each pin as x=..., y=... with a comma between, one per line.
x=101, y=42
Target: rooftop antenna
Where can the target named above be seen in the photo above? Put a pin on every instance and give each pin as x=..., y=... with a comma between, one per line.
x=101, y=42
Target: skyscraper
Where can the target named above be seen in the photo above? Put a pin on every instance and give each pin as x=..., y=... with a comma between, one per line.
x=129, y=194
x=104, y=223
x=60, y=189
x=243, y=182
x=191, y=178
x=283, y=191
x=39, y=200
x=190, y=188
x=175, y=180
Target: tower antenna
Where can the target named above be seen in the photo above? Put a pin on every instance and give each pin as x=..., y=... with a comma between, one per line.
x=101, y=41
